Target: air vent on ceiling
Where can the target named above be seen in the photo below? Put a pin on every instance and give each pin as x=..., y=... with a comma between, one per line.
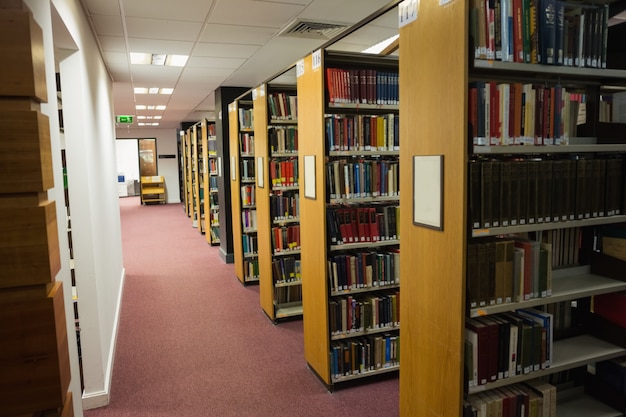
x=313, y=30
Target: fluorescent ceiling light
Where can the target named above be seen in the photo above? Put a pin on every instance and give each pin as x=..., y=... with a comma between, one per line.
x=140, y=107
x=141, y=117
x=141, y=90
x=167, y=90
x=153, y=90
x=155, y=124
x=141, y=58
x=376, y=49
x=161, y=107
x=158, y=117
x=176, y=60
x=141, y=124
x=150, y=107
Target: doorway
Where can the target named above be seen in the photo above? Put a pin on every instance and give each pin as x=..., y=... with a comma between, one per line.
x=135, y=158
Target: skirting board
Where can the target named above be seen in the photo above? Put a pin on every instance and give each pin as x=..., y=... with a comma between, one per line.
x=228, y=258
x=102, y=398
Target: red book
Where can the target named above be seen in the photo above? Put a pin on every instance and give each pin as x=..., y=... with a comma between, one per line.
x=354, y=223
x=362, y=225
x=482, y=330
x=612, y=307
x=374, y=234
x=518, y=32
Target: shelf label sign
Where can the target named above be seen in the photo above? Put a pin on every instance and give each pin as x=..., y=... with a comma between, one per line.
x=316, y=60
x=407, y=12
x=300, y=68
x=254, y=94
x=124, y=119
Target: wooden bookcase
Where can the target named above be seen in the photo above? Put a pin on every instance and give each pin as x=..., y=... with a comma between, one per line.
x=153, y=189
x=186, y=153
x=211, y=202
x=201, y=173
x=279, y=277
x=435, y=71
x=321, y=336
x=243, y=190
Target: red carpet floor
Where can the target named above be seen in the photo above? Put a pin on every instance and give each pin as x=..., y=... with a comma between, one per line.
x=194, y=342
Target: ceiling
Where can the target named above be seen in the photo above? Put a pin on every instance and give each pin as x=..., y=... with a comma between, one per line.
x=229, y=43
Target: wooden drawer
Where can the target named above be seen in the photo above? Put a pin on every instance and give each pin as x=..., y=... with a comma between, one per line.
x=34, y=354
x=22, y=39
x=25, y=153
x=29, y=244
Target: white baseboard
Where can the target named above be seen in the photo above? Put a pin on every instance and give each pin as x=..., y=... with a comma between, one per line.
x=102, y=398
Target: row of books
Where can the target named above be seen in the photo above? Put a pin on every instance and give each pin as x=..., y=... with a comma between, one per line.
x=362, y=132
x=284, y=173
x=529, y=191
x=363, y=355
x=246, y=143
x=213, y=200
x=286, y=269
x=358, y=314
x=213, y=183
x=362, y=224
x=565, y=246
x=503, y=345
x=286, y=238
x=289, y=294
x=246, y=119
x=212, y=146
x=535, y=398
x=549, y=32
x=283, y=139
x=282, y=106
x=249, y=220
x=507, y=270
x=364, y=269
x=250, y=244
x=360, y=178
x=212, y=166
x=523, y=114
x=285, y=206
x=362, y=86
x=248, y=195
x=251, y=269
x=247, y=169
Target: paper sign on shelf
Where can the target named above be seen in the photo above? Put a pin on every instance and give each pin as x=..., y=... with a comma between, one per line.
x=316, y=59
x=254, y=94
x=300, y=68
x=407, y=12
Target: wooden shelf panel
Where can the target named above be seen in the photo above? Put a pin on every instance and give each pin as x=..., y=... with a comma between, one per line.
x=364, y=290
x=288, y=310
x=344, y=336
x=380, y=243
x=596, y=221
x=548, y=149
x=294, y=283
x=366, y=374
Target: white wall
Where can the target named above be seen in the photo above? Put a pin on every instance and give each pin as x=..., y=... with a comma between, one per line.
x=166, y=144
x=92, y=178
x=128, y=159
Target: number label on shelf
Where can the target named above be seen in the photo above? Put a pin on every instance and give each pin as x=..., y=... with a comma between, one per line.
x=300, y=68
x=407, y=12
x=316, y=60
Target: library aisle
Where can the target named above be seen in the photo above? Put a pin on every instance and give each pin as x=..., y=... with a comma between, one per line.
x=194, y=342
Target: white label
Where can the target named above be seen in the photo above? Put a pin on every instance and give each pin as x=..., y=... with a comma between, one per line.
x=316, y=58
x=254, y=94
x=300, y=68
x=407, y=12
x=262, y=90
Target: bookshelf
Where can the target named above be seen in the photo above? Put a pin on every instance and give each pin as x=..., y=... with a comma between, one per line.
x=434, y=308
x=152, y=189
x=328, y=297
x=276, y=147
x=200, y=133
x=186, y=152
x=243, y=190
x=211, y=173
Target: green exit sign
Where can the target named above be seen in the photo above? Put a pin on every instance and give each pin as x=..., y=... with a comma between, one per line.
x=124, y=119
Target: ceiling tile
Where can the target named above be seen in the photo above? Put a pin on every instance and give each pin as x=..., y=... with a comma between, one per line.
x=187, y=10
x=160, y=46
x=102, y=7
x=155, y=75
x=213, y=62
x=257, y=13
x=162, y=29
x=108, y=25
x=200, y=75
x=113, y=43
x=347, y=11
x=236, y=34
x=224, y=50
x=120, y=58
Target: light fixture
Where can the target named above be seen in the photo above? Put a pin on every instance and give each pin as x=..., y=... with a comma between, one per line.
x=141, y=117
x=141, y=90
x=157, y=117
x=155, y=124
x=161, y=107
x=167, y=90
x=378, y=48
x=140, y=107
x=140, y=58
x=153, y=90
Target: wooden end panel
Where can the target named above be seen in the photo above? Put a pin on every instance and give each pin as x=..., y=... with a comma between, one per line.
x=235, y=189
x=25, y=152
x=264, y=225
x=433, y=85
x=313, y=222
x=35, y=359
x=29, y=245
x=22, y=39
